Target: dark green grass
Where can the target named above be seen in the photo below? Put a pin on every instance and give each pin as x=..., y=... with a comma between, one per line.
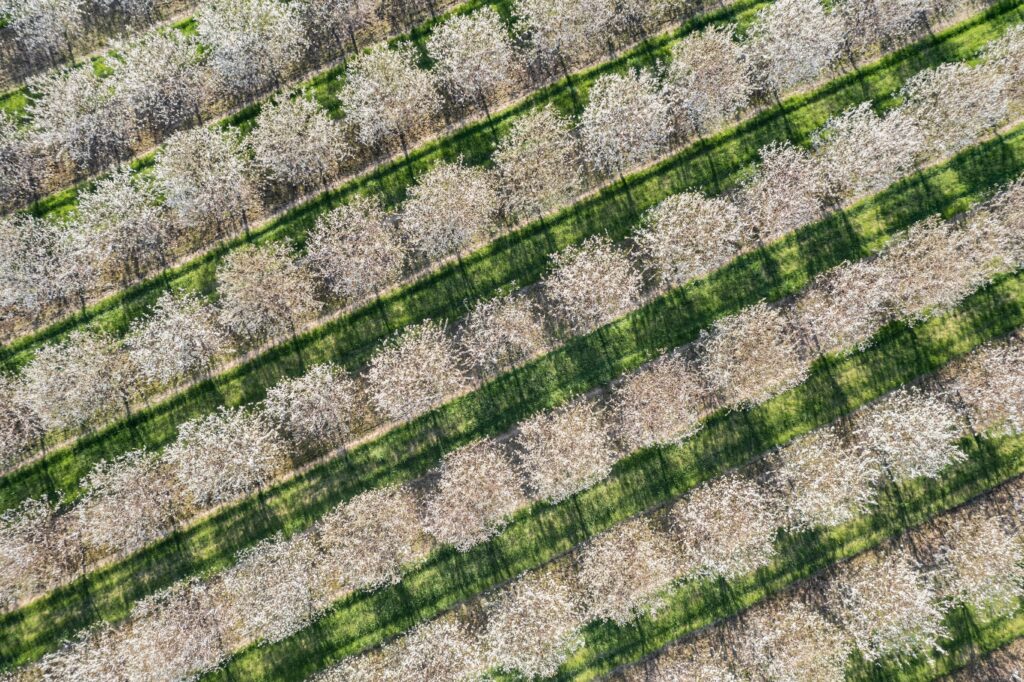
x=653, y=476
x=584, y=363
x=522, y=258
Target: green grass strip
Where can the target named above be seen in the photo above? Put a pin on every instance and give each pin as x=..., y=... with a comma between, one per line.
x=520, y=258
x=701, y=603
x=650, y=477
x=473, y=143
x=584, y=363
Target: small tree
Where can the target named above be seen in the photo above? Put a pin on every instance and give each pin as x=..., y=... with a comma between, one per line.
x=567, y=31
x=252, y=43
x=566, y=450
x=159, y=75
x=954, y=105
x=450, y=208
x=172, y=634
x=387, y=96
x=316, y=409
x=751, y=356
x=269, y=593
x=297, y=144
x=990, y=383
x=868, y=24
x=886, y=607
x=625, y=123
x=366, y=542
x=129, y=501
x=18, y=164
x=204, y=180
x=825, y=480
x=538, y=164
x=862, y=153
x=843, y=307
x=792, y=42
x=443, y=649
x=477, y=490
x=624, y=571
x=793, y=642
x=29, y=266
x=911, y=433
x=37, y=551
x=590, y=285
x=332, y=23
x=264, y=293
x=726, y=528
x=785, y=193
x=474, y=60
x=533, y=625
x=81, y=116
x=707, y=80
x=661, y=403
x=1005, y=55
x=20, y=428
x=124, y=231
x=502, y=332
x=225, y=455
x=981, y=565
x=932, y=269
x=74, y=382
x=689, y=235
x=179, y=337
x=413, y=371
x=45, y=28
x=355, y=251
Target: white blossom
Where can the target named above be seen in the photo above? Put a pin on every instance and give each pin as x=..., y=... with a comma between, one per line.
x=355, y=250
x=315, y=409
x=624, y=572
x=707, y=80
x=264, y=293
x=726, y=528
x=590, y=285
x=179, y=337
x=689, y=236
x=450, y=208
x=478, y=489
x=566, y=450
x=538, y=164
x=414, y=371
x=912, y=433
x=533, y=625
x=386, y=95
x=625, y=123
x=225, y=455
